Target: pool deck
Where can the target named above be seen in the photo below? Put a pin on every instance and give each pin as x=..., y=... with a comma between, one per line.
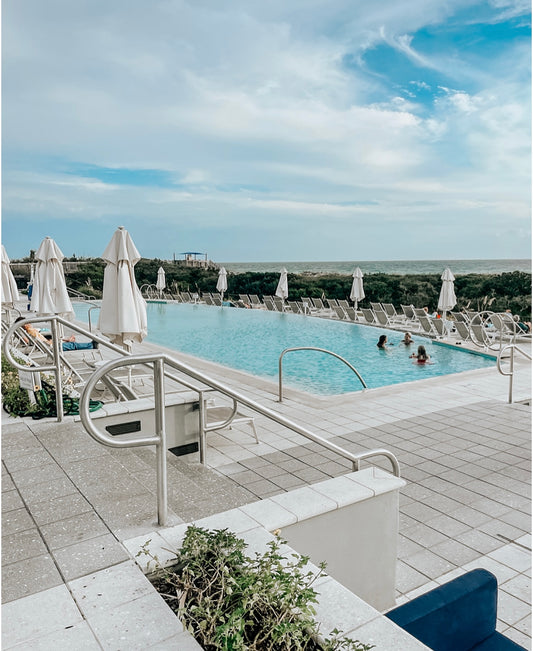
x=70, y=505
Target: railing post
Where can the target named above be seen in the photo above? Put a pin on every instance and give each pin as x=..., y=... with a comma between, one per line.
x=511, y=374
x=57, y=347
x=202, y=443
x=280, y=375
x=161, y=446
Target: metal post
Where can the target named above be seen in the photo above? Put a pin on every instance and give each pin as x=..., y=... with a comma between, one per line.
x=280, y=382
x=511, y=372
x=202, y=443
x=57, y=346
x=161, y=445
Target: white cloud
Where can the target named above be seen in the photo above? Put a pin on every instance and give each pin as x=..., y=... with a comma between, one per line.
x=252, y=108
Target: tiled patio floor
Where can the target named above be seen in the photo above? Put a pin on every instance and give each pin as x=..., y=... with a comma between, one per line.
x=68, y=503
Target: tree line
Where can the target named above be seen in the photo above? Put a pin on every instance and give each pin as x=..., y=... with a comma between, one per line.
x=495, y=292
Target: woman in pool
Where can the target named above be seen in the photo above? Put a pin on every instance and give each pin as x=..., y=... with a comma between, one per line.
x=382, y=343
x=407, y=339
x=421, y=356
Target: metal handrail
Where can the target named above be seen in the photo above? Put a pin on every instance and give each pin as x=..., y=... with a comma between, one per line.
x=159, y=361
x=94, y=307
x=77, y=294
x=320, y=350
x=56, y=366
x=510, y=373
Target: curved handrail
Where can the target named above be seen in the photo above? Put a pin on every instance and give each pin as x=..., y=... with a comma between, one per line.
x=159, y=360
x=54, y=321
x=320, y=350
x=94, y=307
x=510, y=373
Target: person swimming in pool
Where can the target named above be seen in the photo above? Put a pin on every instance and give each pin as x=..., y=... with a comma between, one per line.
x=407, y=339
x=382, y=343
x=421, y=356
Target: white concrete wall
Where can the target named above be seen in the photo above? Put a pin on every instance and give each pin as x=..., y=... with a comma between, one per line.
x=358, y=543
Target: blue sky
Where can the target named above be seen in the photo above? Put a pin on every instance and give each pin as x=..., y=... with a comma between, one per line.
x=264, y=131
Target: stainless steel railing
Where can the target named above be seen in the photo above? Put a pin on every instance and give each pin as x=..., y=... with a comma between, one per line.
x=510, y=372
x=57, y=362
x=320, y=350
x=158, y=362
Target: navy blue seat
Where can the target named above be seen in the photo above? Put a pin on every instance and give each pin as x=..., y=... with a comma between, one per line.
x=457, y=616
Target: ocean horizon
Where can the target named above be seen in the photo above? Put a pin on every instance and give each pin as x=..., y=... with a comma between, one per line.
x=401, y=267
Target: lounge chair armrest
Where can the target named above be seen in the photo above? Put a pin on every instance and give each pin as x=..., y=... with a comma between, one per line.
x=455, y=616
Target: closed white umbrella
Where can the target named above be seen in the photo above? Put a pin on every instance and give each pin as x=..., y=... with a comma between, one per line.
x=447, y=298
x=10, y=292
x=123, y=312
x=282, y=290
x=161, y=282
x=222, y=282
x=357, y=293
x=49, y=295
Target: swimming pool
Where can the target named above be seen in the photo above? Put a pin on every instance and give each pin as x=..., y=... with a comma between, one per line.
x=252, y=341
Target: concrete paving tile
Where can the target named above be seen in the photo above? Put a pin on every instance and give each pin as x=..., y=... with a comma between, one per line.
x=15, y=521
x=21, y=545
x=287, y=482
x=502, y=572
x=269, y=514
x=59, y=508
x=56, y=609
x=12, y=501
x=29, y=576
x=311, y=475
x=78, y=637
x=455, y=552
x=519, y=587
x=469, y=516
x=7, y=483
x=131, y=516
x=337, y=607
x=518, y=637
x=448, y=526
x=135, y=625
x=305, y=502
x=89, y=556
x=517, y=519
x=429, y=564
x=264, y=488
x=524, y=625
x=422, y=534
x=267, y=472
x=382, y=633
x=22, y=447
x=514, y=557
x=510, y=609
x=44, y=473
x=110, y=587
x=421, y=512
x=479, y=541
x=73, y=530
x=407, y=547
x=47, y=490
x=254, y=462
x=500, y=529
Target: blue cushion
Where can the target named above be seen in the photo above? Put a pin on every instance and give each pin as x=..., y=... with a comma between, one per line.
x=456, y=616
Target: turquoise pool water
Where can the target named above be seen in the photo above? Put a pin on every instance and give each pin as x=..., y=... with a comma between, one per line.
x=252, y=341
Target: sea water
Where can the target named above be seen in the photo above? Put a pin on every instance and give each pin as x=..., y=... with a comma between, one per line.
x=458, y=267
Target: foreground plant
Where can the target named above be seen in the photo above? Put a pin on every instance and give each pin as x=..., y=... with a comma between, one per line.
x=231, y=602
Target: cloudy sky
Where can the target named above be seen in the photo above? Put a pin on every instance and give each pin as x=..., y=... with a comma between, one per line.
x=268, y=130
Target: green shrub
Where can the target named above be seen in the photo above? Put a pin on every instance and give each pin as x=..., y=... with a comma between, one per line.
x=14, y=399
x=230, y=602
